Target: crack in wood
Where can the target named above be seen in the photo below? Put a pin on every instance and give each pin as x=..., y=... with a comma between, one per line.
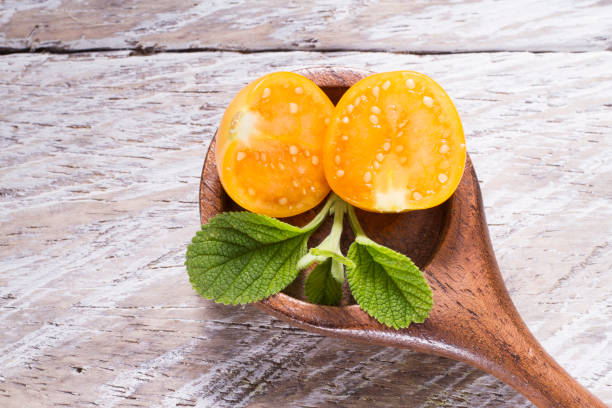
x=148, y=51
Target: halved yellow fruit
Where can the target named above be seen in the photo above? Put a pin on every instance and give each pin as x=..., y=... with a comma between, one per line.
x=270, y=145
x=395, y=143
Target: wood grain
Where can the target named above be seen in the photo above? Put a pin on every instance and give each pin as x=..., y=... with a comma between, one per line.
x=389, y=25
x=100, y=162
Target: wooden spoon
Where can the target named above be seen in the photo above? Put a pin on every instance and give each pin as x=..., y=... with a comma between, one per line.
x=473, y=319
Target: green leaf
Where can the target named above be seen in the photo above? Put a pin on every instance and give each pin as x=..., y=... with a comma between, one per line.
x=241, y=257
x=322, y=286
x=387, y=284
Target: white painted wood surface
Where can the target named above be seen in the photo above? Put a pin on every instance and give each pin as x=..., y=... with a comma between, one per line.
x=100, y=157
x=389, y=25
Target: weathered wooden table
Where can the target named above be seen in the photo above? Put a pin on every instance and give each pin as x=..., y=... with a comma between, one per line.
x=107, y=109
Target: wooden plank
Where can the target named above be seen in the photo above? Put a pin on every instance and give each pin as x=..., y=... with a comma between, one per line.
x=390, y=25
x=100, y=157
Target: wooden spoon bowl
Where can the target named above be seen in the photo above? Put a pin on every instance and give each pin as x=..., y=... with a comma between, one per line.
x=473, y=319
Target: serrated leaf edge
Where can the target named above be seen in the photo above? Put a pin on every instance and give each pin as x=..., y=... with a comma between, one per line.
x=365, y=241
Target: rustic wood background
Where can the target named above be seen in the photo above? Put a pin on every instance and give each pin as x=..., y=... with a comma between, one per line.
x=106, y=112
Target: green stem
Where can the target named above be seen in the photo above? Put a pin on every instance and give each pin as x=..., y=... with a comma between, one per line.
x=332, y=241
x=337, y=271
x=320, y=217
x=336, y=231
x=355, y=222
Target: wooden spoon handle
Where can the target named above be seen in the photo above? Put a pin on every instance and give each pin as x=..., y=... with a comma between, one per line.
x=521, y=362
x=474, y=319
x=547, y=384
